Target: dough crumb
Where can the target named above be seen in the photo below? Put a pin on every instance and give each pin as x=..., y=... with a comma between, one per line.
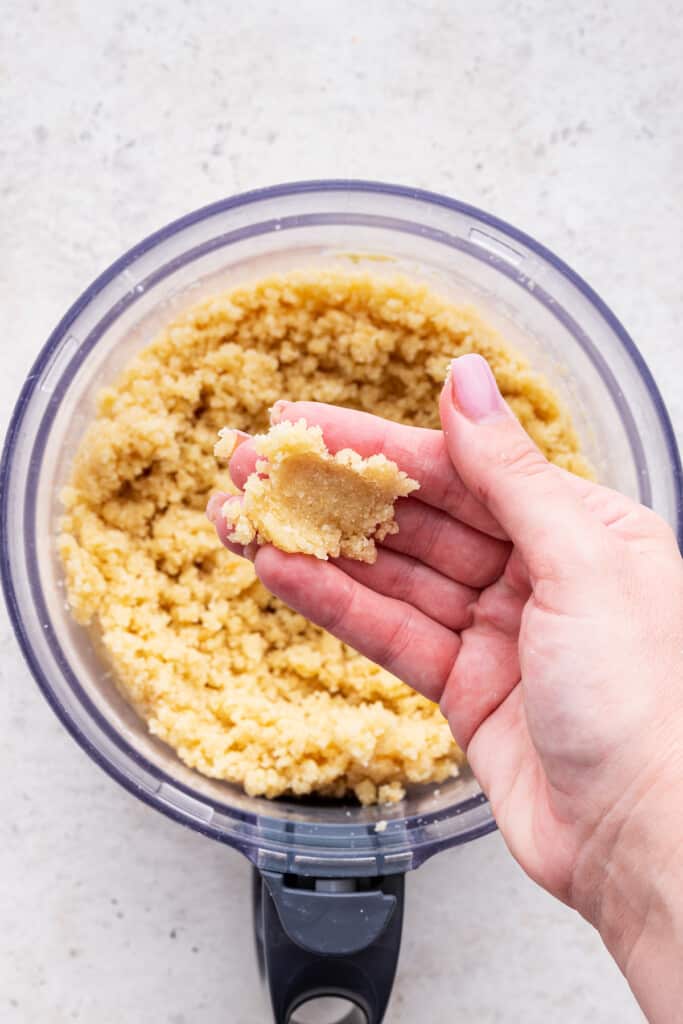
x=303, y=499
x=381, y=826
x=390, y=793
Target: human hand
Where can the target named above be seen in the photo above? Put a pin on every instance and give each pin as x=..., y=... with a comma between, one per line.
x=545, y=614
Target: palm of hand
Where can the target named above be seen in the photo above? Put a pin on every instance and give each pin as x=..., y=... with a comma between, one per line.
x=564, y=757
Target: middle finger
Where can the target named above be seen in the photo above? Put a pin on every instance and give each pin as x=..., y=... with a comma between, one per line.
x=399, y=576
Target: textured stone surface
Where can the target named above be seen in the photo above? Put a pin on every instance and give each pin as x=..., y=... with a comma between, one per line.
x=118, y=117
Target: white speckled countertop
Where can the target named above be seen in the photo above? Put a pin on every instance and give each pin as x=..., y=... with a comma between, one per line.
x=566, y=120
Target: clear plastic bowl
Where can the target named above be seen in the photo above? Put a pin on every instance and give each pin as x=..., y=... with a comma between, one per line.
x=542, y=308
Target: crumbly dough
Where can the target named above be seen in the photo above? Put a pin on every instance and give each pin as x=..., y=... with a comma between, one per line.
x=301, y=498
x=242, y=687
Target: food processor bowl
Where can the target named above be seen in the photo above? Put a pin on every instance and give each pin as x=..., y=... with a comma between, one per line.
x=329, y=906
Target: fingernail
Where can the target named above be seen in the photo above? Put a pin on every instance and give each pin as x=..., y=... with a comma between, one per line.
x=474, y=389
x=228, y=441
x=277, y=410
x=214, y=506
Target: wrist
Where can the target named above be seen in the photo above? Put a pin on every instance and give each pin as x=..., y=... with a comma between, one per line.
x=627, y=883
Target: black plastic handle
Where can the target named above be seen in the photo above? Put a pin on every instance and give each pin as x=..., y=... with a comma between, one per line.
x=328, y=937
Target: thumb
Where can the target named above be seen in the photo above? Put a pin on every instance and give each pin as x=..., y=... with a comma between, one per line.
x=503, y=468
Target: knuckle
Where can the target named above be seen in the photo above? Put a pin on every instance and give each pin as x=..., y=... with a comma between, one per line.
x=334, y=618
x=588, y=557
x=440, y=479
x=520, y=459
x=656, y=527
x=395, y=575
x=454, y=496
x=524, y=459
x=632, y=521
x=432, y=530
x=398, y=639
x=403, y=581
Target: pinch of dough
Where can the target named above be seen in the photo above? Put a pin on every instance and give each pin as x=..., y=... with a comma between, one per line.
x=241, y=687
x=303, y=499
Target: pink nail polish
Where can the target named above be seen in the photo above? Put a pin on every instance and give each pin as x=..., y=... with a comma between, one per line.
x=474, y=388
x=276, y=410
x=214, y=506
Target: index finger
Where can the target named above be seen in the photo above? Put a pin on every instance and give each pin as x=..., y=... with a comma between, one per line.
x=418, y=451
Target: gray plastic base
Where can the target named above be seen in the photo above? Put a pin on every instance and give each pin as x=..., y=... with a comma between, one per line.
x=328, y=937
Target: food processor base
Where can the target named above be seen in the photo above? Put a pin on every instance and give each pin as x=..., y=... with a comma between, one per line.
x=328, y=937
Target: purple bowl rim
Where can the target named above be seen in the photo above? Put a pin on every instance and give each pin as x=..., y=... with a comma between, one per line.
x=149, y=242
